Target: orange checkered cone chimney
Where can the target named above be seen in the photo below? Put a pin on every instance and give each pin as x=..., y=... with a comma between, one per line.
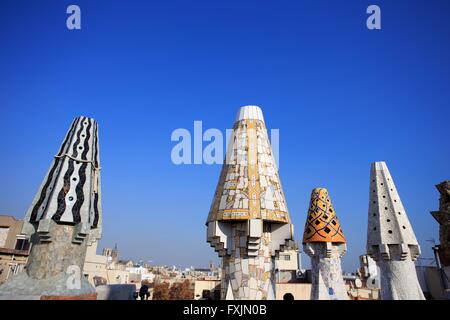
x=322, y=224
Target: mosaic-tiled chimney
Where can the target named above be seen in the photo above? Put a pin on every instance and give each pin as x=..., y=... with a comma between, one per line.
x=324, y=242
x=391, y=241
x=63, y=219
x=248, y=223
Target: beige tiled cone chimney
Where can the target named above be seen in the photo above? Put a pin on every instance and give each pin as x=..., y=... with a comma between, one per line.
x=248, y=223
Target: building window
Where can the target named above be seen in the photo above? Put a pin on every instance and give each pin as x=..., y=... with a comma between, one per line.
x=3, y=236
x=287, y=257
x=22, y=244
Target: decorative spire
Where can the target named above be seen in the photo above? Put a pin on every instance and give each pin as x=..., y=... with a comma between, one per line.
x=249, y=186
x=322, y=224
x=388, y=221
x=324, y=242
x=391, y=241
x=64, y=218
x=248, y=223
x=70, y=193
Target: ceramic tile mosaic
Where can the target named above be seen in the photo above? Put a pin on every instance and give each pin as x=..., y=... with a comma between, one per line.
x=249, y=186
x=247, y=278
x=248, y=223
x=324, y=242
x=63, y=219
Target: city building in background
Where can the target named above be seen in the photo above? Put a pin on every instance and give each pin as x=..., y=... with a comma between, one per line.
x=14, y=247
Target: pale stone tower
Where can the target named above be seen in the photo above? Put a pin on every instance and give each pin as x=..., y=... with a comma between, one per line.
x=63, y=219
x=324, y=242
x=390, y=238
x=248, y=223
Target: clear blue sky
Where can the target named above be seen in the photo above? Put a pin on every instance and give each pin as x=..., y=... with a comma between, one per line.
x=342, y=97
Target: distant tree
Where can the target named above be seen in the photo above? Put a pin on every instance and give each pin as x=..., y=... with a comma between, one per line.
x=161, y=291
x=181, y=291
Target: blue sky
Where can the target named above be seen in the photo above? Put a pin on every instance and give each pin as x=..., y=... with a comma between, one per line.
x=342, y=97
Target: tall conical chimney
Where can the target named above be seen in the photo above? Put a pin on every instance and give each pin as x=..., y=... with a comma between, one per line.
x=391, y=241
x=324, y=242
x=63, y=219
x=248, y=223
